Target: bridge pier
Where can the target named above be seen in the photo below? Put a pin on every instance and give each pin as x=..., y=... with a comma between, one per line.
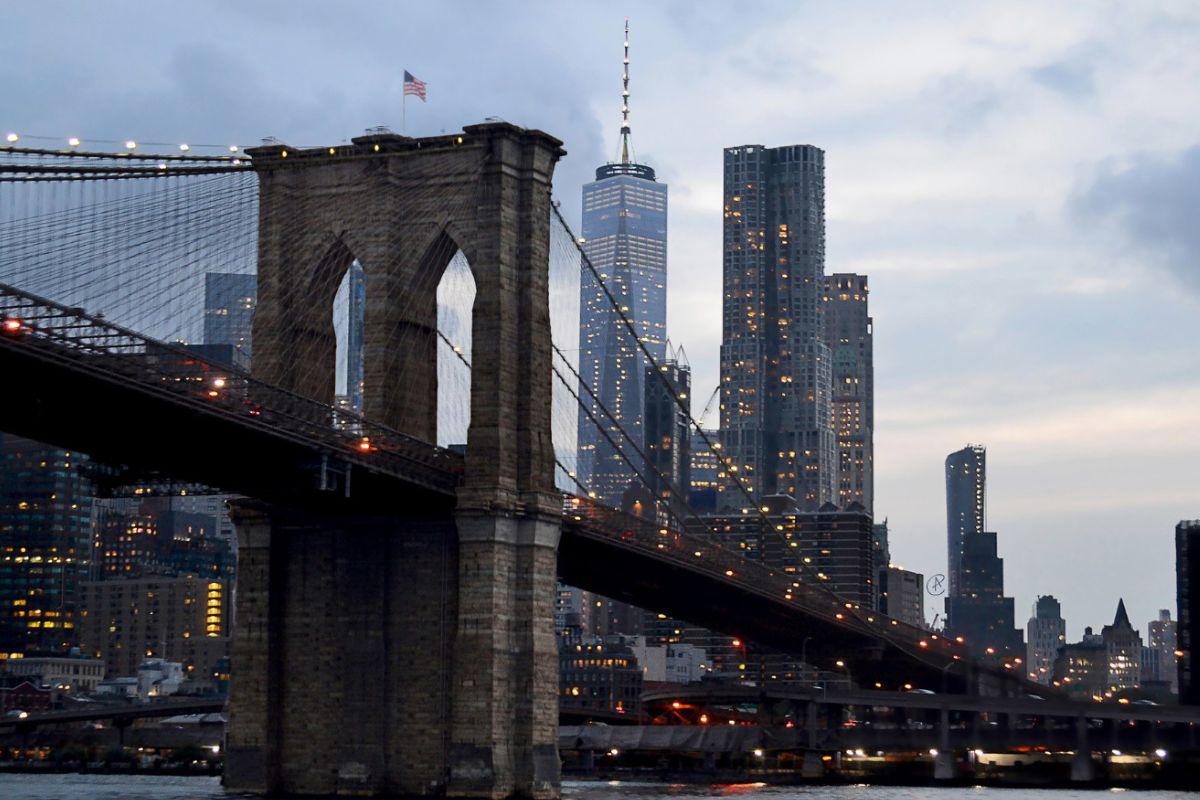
x=342, y=628
x=1083, y=769
x=407, y=650
x=505, y=696
x=943, y=762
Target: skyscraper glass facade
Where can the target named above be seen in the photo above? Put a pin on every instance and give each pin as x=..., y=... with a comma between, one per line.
x=229, y=300
x=46, y=539
x=625, y=239
x=776, y=416
x=966, y=483
x=849, y=334
x=668, y=434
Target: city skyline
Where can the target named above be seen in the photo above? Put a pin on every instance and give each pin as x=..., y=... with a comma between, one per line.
x=996, y=207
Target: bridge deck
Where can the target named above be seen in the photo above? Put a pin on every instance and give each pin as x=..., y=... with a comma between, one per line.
x=93, y=386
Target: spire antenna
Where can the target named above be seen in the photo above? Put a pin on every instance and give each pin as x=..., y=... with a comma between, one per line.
x=625, y=100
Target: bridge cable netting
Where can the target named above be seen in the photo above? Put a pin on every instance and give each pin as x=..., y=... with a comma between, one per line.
x=77, y=227
x=165, y=246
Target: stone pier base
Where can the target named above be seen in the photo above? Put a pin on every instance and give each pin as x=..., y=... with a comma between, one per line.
x=377, y=656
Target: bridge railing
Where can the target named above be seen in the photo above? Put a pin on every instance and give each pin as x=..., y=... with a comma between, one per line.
x=701, y=554
x=91, y=344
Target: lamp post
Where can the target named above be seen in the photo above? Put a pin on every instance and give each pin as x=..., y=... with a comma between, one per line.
x=849, y=680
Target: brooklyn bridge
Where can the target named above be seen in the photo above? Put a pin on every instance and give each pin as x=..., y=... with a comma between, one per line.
x=395, y=600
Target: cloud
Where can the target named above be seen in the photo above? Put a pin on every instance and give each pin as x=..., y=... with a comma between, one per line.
x=1153, y=201
x=1072, y=77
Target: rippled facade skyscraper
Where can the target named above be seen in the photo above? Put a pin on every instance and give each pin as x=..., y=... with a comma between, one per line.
x=776, y=395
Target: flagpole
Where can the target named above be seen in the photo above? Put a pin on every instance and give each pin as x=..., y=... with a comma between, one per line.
x=403, y=112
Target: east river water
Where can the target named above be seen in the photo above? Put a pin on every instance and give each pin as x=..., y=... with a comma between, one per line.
x=126, y=787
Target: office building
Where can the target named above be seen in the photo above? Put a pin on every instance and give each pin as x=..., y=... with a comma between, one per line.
x=849, y=334
x=976, y=608
x=156, y=536
x=1045, y=634
x=1158, y=663
x=881, y=557
x=46, y=544
x=667, y=430
x=69, y=673
x=902, y=595
x=570, y=612
x=832, y=546
x=184, y=619
x=229, y=300
x=600, y=677
x=625, y=243
x=1187, y=593
x=1081, y=668
x=1123, y=649
x=704, y=470
x=776, y=413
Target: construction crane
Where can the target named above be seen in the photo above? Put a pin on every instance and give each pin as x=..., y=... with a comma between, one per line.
x=712, y=398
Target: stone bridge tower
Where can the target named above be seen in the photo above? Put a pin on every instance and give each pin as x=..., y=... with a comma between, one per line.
x=409, y=651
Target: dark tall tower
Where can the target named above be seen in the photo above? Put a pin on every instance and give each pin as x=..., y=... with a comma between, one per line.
x=229, y=301
x=776, y=420
x=976, y=607
x=668, y=440
x=625, y=240
x=848, y=331
x=1187, y=588
x=966, y=475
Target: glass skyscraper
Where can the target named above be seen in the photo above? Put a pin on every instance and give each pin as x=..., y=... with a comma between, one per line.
x=966, y=484
x=776, y=411
x=229, y=300
x=848, y=332
x=46, y=536
x=625, y=239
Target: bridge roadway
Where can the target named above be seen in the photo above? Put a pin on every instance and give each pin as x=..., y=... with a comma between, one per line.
x=116, y=713
x=158, y=409
x=814, y=719
x=1050, y=706
x=1130, y=727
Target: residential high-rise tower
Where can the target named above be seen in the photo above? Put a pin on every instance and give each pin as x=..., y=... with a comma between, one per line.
x=976, y=607
x=776, y=415
x=848, y=332
x=966, y=477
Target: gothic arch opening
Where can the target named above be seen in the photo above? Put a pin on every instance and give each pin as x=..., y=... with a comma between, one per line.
x=455, y=307
x=349, y=320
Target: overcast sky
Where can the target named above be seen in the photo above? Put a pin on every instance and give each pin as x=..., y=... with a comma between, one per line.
x=1020, y=180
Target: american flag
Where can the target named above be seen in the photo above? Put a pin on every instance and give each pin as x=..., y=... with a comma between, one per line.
x=413, y=86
